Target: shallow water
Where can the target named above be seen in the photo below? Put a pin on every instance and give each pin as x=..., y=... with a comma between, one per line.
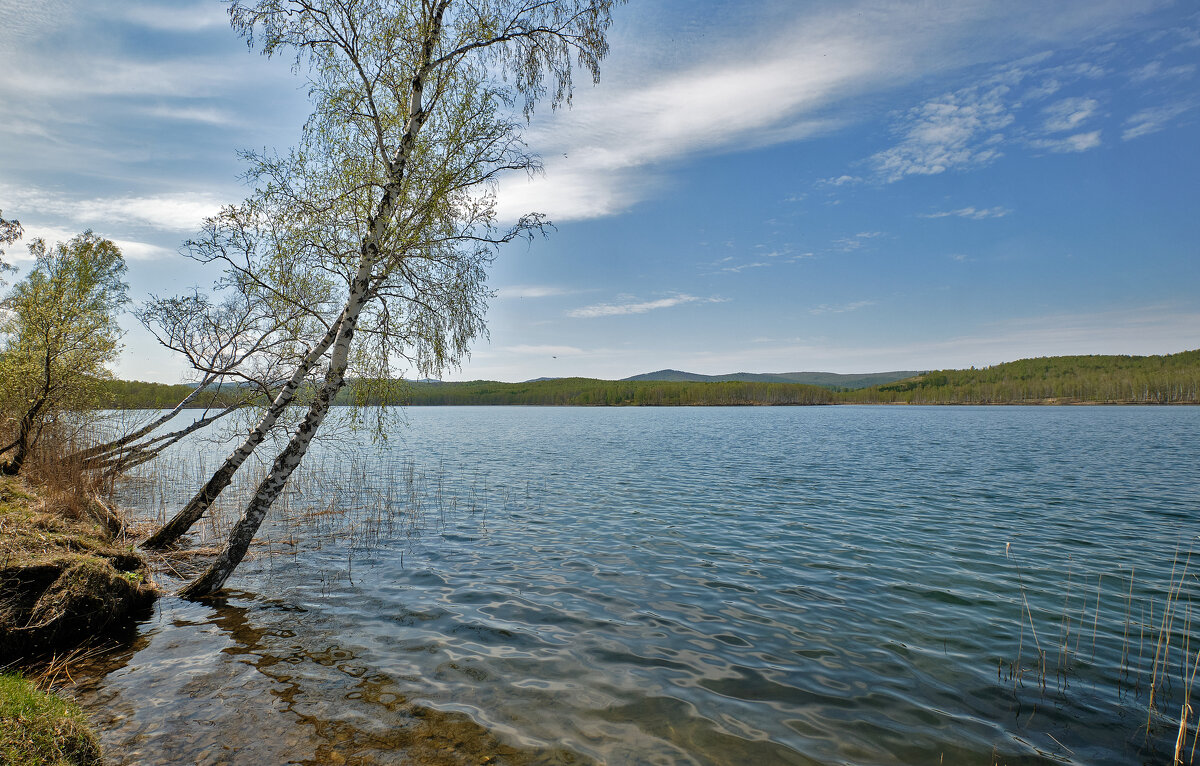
x=687, y=585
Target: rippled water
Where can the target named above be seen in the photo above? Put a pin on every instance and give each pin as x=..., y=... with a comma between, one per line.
x=837, y=585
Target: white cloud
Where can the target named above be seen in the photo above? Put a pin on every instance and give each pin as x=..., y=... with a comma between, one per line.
x=975, y=214
x=133, y=250
x=1156, y=70
x=826, y=308
x=1068, y=114
x=743, y=266
x=960, y=129
x=1152, y=120
x=638, y=307
x=1080, y=142
x=533, y=291
x=96, y=75
x=191, y=18
x=176, y=212
x=850, y=244
x=1048, y=88
x=795, y=79
x=841, y=180
x=200, y=114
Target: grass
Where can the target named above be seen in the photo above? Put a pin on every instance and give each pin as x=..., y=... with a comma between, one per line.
x=40, y=729
x=68, y=576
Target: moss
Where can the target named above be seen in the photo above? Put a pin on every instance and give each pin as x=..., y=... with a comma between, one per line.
x=62, y=580
x=39, y=729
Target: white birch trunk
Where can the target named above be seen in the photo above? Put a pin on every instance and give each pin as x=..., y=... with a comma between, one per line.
x=178, y=526
x=213, y=578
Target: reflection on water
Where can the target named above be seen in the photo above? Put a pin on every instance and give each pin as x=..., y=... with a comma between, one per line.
x=244, y=680
x=701, y=586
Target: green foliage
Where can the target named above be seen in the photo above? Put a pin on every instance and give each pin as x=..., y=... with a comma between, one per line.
x=38, y=729
x=10, y=231
x=61, y=331
x=140, y=395
x=1167, y=379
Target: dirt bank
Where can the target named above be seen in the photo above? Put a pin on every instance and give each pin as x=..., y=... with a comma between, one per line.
x=65, y=581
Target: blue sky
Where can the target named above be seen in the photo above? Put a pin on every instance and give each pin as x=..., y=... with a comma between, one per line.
x=769, y=186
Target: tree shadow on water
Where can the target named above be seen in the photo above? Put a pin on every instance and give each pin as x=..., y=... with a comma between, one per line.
x=245, y=679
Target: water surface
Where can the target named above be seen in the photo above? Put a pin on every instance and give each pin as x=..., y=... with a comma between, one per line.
x=835, y=585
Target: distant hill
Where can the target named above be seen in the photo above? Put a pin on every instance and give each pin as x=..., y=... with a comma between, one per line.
x=1167, y=379
x=826, y=379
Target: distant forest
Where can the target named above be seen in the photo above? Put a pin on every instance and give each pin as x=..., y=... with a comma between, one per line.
x=1168, y=379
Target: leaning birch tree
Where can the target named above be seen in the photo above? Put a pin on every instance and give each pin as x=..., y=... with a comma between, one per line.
x=389, y=196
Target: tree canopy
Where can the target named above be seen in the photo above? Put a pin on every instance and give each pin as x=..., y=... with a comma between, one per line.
x=376, y=229
x=60, y=333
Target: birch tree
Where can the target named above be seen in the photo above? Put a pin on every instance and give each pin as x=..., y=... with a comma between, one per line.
x=389, y=195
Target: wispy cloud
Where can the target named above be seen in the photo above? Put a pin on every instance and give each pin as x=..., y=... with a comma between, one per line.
x=1068, y=114
x=841, y=180
x=176, y=212
x=975, y=214
x=201, y=114
x=1080, y=142
x=638, y=307
x=533, y=291
x=855, y=242
x=960, y=129
x=743, y=266
x=181, y=18
x=132, y=250
x=798, y=79
x=827, y=308
x=1158, y=70
x=1152, y=120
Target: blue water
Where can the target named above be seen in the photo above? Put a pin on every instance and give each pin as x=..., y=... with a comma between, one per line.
x=827, y=585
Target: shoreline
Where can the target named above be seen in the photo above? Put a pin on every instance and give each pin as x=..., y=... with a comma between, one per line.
x=68, y=581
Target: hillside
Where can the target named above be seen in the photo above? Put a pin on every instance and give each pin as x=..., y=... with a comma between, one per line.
x=833, y=380
x=1165, y=379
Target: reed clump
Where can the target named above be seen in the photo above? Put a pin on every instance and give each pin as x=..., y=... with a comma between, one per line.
x=1119, y=636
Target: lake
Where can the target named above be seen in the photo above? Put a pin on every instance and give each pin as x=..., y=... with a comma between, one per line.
x=816, y=585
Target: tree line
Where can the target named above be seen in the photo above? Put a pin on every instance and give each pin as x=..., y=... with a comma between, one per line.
x=1094, y=379
x=590, y=392
x=1165, y=379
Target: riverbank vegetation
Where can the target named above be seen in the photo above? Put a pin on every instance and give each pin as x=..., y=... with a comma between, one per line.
x=68, y=578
